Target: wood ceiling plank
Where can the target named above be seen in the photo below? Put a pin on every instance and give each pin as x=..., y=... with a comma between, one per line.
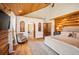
x=25, y=7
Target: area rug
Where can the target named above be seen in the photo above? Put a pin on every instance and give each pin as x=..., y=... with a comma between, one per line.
x=39, y=48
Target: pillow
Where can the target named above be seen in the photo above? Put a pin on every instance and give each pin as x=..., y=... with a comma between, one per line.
x=66, y=34
x=77, y=35
x=74, y=34
x=70, y=35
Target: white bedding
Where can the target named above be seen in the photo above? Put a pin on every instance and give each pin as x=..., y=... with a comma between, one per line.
x=58, y=44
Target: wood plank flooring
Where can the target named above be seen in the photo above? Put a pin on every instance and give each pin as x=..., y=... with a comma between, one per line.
x=24, y=49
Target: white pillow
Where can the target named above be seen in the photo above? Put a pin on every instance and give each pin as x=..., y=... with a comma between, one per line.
x=65, y=33
x=77, y=35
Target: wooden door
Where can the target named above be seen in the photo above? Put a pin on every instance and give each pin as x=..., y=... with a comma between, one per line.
x=47, y=29
x=34, y=30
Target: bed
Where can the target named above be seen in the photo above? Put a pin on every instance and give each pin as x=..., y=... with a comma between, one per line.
x=63, y=44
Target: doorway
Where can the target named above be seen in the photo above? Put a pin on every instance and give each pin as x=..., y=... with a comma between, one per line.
x=31, y=30
x=47, y=29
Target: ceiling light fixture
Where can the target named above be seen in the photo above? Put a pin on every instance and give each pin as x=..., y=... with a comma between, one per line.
x=20, y=11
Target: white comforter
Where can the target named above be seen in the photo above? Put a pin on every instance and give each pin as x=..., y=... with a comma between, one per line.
x=63, y=45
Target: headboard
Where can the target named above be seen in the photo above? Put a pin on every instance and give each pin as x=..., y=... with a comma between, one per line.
x=71, y=29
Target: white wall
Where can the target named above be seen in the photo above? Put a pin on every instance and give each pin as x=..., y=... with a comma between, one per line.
x=19, y=19
x=52, y=27
x=27, y=21
x=39, y=34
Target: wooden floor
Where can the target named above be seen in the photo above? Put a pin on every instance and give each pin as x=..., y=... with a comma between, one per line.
x=24, y=49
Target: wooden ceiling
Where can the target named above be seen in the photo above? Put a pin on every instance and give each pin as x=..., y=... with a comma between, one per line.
x=24, y=8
